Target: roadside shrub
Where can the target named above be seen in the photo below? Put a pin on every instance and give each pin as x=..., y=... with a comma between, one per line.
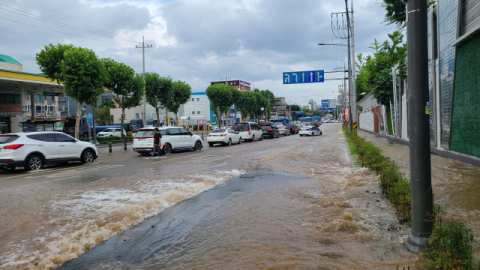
x=83, y=139
x=449, y=246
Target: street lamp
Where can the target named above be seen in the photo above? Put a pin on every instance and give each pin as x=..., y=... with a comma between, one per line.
x=262, y=110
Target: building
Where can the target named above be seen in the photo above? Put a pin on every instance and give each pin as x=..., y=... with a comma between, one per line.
x=454, y=69
x=239, y=84
x=280, y=108
x=25, y=97
x=68, y=107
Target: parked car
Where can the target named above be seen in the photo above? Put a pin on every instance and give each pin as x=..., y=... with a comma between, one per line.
x=310, y=131
x=269, y=130
x=249, y=131
x=109, y=132
x=173, y=139
x=33, y=150
x=282, y=130
x=224, y=136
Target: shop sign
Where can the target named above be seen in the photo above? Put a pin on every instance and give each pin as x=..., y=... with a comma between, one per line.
x=51, y=94
x=10, y=108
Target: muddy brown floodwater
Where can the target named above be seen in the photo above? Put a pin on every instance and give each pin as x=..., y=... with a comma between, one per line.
x=456, y=185
x=289, y=203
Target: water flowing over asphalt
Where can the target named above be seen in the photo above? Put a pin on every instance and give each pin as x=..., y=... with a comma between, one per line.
x=289, y=203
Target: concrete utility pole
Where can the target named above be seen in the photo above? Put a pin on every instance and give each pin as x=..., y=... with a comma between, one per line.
x=144, y=94
x=420, y=163
x=354, y=76
x=350, y=90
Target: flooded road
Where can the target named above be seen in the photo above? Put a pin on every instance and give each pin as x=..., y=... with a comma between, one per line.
x=456, y=186
x=289, y=203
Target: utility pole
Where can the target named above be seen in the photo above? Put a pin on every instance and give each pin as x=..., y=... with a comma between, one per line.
x=354, y=76
x=144, y=94
x=350, y=90
x=420, y=163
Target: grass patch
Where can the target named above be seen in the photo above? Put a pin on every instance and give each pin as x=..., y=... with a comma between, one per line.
x=450, y=245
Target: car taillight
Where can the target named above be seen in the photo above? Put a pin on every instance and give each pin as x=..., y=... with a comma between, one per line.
x=269, y=129
x=150, y=137
x=223, y=135
x=13, y=146
x=209, y=135
x=248, y=131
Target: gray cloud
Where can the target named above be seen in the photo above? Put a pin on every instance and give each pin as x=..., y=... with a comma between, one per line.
x=254, y=40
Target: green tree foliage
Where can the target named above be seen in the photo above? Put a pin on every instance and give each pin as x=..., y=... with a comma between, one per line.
x=243, y=101
x=270, y=100
x=50, y=61
x=261, y=102
x=158, y=91
x=125, y=84
x=84, y=77
x=374, y=72
x=221, y=97
x=396, y=12
x=102, y=113
x=181, y=93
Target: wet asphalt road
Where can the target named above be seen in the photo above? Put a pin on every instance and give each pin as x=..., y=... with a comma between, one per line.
x=35, y=205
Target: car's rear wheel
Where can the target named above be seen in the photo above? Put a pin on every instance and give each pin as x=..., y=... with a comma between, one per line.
x=167, y=149
x=229, y=142
x=240, y=141
x=88, y=156
x=198, y=146
x=253, y=138
x=34, y=162
x=321, y=133
x=261, y=138
x=210, y=144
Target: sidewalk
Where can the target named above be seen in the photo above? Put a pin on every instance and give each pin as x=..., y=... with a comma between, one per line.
x=456, y=185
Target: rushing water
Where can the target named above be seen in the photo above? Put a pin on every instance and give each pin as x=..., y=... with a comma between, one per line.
x=305, y=208
x=293, y=203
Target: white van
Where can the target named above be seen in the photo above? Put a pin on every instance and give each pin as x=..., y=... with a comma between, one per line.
x=249, y=131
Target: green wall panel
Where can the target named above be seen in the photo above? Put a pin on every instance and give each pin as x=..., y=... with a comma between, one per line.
x=466, y=104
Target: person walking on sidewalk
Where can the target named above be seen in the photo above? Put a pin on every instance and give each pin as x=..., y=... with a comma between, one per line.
x=157, y=141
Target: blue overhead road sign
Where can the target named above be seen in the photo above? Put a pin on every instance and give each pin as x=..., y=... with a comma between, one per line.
x=312, y=76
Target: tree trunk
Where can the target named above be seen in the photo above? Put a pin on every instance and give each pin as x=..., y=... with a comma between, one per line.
x=176, y=119
x=77, y=123
x=121, y=121
x=166, y=116
x=158, y=116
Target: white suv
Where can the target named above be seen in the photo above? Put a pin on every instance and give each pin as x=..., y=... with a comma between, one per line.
x=249, y=131
x=33, y=150
x=173, y=139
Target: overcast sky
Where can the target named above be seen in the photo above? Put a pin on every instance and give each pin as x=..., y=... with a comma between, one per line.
x=198, y=41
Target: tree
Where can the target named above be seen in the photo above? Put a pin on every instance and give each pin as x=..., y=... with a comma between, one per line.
x=102, y=113
x=181, y=93
x=262, y=102
x=81, y=72
x=158, y=91
x=50, y=61
x=220, y=96
x=125, y=84
x=79, y=69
